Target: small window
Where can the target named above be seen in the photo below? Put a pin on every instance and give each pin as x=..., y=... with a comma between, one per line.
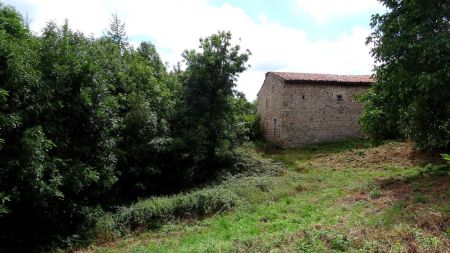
x=340, y=98
x=303, y=96
x=267, y=103
x=274, y=126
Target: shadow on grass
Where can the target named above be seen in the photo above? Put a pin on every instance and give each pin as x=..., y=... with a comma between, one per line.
x=294, y=156
x=323, y=148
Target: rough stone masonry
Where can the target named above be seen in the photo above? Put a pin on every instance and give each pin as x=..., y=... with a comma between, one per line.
x=298, y=109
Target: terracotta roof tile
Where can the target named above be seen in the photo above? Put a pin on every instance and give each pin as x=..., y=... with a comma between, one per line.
x=291, y=77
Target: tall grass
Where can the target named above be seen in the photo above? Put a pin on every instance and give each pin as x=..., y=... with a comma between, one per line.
x=250, y=180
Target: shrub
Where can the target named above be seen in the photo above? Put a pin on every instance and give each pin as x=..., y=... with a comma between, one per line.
x=247, y=164
x=154, y=212
x=375, y=193
x=247, y=122
x=267, y=146
x=248, y=174
x=446, y=158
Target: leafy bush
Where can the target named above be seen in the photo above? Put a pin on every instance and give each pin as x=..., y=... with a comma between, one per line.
x=154, y=212
x=248, y=164
x=379, y=119
x=411, y=74
x=446, y=157
x=248, y=127
x=249, y=175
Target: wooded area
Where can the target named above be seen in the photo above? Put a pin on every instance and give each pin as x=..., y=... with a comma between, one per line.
x=88, y=126
x=90, y=123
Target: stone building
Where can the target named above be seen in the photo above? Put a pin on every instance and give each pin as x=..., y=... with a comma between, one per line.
x=297, y=109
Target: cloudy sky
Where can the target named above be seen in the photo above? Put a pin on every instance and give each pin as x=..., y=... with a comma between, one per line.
x=318, y=36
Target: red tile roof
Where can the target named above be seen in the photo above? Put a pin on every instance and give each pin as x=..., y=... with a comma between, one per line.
x=290, y=77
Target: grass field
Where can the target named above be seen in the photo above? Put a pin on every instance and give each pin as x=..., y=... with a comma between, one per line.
x=342, y=197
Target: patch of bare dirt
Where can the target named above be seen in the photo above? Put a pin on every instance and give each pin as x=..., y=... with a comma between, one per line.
x=400, y=154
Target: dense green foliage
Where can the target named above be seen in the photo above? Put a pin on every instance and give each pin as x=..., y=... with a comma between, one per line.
x=446, y=157
x=248, y=121
x=225, y=194
x=411, y=96
x=90, y=123
x=206, y=119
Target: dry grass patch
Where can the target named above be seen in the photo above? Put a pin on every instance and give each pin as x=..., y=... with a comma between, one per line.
x=400, y=154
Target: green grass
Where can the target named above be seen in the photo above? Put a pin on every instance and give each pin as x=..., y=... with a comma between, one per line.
x=354, y=204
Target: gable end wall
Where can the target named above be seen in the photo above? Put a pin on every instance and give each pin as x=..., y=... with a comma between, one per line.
x=269, y=107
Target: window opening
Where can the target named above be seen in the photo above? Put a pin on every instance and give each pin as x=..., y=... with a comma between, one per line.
x=274, y=126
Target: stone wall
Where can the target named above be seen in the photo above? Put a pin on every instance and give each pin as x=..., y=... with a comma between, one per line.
x=269, y=107
x=315, y=113
x=309, y=113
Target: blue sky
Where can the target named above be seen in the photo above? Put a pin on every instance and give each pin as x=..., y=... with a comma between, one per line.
x=287, y=14
x=319, y=36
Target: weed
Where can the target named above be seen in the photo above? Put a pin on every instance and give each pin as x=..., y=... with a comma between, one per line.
x=288, y=201
x=421, y=198
x=300, y=188
x=446, y=209
x=360, y=152
x=375, y=193
x=302, y=167
x=304, y=246
x=335, y=241
x=392, y=214
x=397, y=248
x=435, y=170
x=432, y=242
x=267, y=147
x=340, y=243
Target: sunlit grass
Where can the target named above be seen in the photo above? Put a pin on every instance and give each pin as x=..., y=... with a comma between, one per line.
x=309, y=208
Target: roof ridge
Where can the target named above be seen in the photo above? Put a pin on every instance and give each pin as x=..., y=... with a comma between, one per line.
x=293, y=77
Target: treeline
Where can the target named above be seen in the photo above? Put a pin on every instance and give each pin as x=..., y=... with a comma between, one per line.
x=89, y=123
x=411, y=95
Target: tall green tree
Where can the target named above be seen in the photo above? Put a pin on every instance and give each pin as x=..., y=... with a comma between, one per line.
x=144, y=138
x=18, y=82
x=411, y=95
x=208, y=85
x=117, y=32
x=57, y=121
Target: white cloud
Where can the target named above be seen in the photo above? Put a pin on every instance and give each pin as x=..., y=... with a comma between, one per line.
x=326, y=10
x=175, y=25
